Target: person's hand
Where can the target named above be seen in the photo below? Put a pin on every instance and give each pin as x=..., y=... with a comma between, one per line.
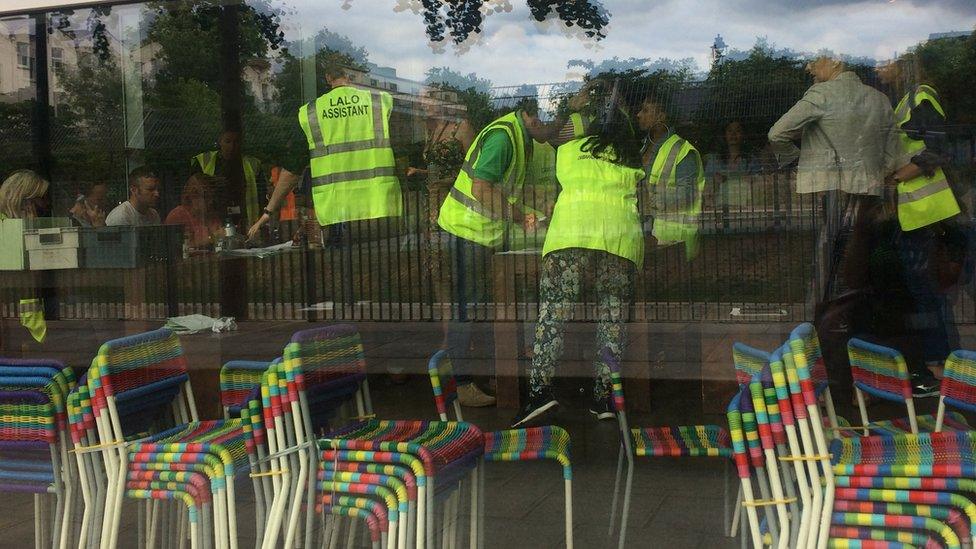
x=96, y=216
x=253, y=231
x=582, y=97
x=529, y=221
x=411, y=171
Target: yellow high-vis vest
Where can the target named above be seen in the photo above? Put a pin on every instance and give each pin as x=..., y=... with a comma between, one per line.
x=597, y=205
x=352, y=166
x=462, y=214
x=922, y=200
x=676, y=224
x=208, y=163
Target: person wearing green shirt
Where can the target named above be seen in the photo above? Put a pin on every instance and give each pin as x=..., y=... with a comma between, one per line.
x=478, y=212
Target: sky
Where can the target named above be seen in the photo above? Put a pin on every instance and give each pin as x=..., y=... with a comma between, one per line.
x=514, y=49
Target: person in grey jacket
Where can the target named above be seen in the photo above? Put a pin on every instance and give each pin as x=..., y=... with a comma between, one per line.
x=847, y=134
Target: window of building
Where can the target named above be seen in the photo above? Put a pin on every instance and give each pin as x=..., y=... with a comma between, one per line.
x=393, y=87
x=372, y=82
x=57, y=57
x=24, y=57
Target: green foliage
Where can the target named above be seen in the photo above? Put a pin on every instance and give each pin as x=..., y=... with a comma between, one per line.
x=755, y=90
x=950, y=64
x=473, y=92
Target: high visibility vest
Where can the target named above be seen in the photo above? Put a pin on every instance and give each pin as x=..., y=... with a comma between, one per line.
x=922, y=200
x=672, y=224
x=461, y=214
x=581, y=124
x=597, y=205
x=352, y=166
x=32, y=318
x=251, y=165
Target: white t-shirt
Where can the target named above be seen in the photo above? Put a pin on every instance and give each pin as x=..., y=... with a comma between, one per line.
x=126, y=215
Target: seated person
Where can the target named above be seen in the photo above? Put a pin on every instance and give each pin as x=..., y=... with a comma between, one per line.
x=23, y=195
x=139, y=210
x=89, y=208
x=194, y=212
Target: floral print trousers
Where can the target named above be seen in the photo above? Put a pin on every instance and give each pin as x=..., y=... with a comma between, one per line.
x=563, y=275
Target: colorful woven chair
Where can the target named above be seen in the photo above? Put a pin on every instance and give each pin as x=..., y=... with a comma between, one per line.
x=34, y=441
x=836, y=476
x=529, y=444
x=441, y=453
x=958, y=386
x=134, y=381
x=748, y=361
x=240, y=396
x=881, y=372
x=652, y=442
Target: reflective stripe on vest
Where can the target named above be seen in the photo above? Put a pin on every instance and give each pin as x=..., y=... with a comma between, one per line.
x=597, y=206
x=462, y=214
x=208, y=163
x=353, y=172
x=922, y=200
x=682, y=225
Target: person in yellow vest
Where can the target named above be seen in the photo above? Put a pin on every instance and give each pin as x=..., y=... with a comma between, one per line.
x=478, y=212
x=23, y=194
x=934, y=242
x=675, y=180
x=595, y=231
x=215, y=163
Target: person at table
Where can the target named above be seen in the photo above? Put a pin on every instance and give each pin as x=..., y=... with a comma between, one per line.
x=23, y=195
x=480, y=209
x=90, y=208
x=595, y=232
x=228, y=162
x=195, y=211
x=140, y=209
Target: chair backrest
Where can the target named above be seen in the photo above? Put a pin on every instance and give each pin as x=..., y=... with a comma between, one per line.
x=878, y=370
x=748, y=361
x=27, y=414
x=959, y=380
x=147, y=369
x=238, y=380
x=327, y=355
x=443, y=383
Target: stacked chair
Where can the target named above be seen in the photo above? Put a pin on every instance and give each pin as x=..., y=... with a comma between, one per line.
x=651, y=442
x=891, y=490
x=34, y=443
x=405, y=465
x=882, y=373
x=528, y=444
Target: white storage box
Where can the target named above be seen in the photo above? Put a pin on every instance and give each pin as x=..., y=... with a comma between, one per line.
x=57, y=248
x=13, y=255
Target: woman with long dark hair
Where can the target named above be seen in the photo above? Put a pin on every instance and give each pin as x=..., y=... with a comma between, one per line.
x=595, y=231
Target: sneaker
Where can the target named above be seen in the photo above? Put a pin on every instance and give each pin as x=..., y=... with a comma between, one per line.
x=537, y=406
x=603, y=409
x=925, y=386
x=471, y=396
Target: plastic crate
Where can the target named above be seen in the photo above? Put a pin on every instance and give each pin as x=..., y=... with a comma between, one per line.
x=56, y=248
x=130, y=247
x=13, y=255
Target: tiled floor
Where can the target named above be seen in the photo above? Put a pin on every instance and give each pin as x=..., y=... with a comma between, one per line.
x=676, y=503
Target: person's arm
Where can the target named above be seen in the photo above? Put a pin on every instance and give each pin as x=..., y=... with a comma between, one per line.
x=789, y=127
x=497, y=154
x=287, y=181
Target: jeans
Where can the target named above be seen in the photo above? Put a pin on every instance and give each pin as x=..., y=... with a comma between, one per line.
x=472, y=276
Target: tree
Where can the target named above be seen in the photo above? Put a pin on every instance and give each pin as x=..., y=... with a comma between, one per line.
x=460, y=19
x=472, y=91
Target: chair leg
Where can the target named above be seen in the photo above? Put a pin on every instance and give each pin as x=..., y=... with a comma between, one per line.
x=568, y=482
x=626, y=508
x=616, y=491
x=734, y=528
x=473, y=526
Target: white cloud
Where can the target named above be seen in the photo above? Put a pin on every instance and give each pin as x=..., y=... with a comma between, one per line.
x=513, y=49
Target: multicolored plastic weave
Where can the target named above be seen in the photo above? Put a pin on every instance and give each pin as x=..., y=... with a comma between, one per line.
x=748, y=361
x=959, y=381
x=879, y=371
